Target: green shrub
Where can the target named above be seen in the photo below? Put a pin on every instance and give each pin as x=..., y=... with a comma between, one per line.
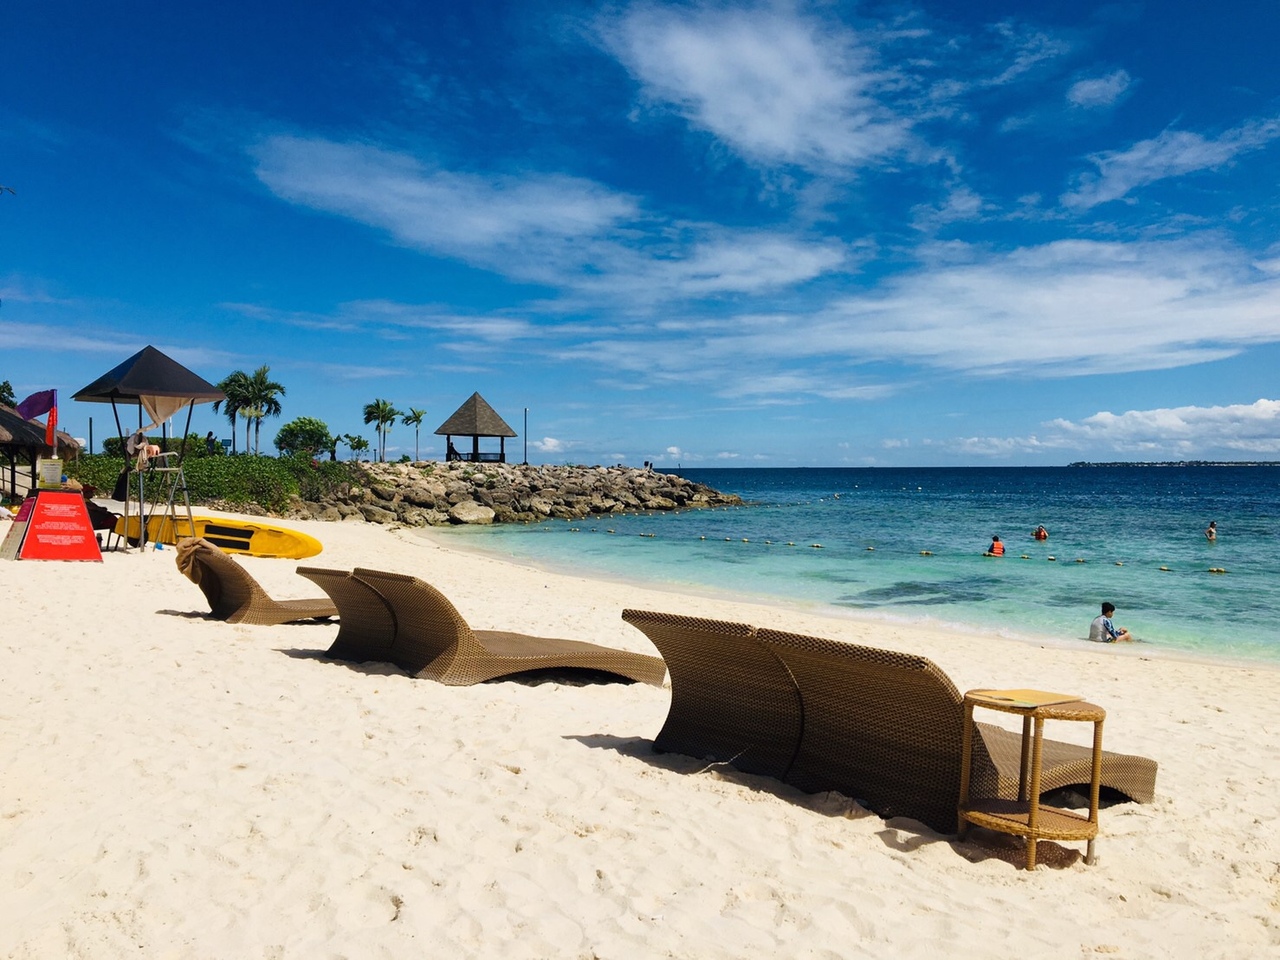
x=238, y=481
x=305, y=435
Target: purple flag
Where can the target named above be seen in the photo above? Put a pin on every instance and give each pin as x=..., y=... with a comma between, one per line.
x=38, y=404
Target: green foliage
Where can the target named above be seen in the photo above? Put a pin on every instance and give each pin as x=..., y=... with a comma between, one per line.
x=6, y=394
x=305, y=435
x=237, y=481
x=357, y=444
x=99, y=471
x=318, y=479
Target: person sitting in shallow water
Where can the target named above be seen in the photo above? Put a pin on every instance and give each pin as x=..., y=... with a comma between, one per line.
x=1102, y=630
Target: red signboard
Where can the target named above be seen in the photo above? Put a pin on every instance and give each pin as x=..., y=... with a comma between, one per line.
x=59, y=529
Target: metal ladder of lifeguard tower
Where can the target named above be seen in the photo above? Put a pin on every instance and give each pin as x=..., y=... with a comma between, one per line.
x=173, y=479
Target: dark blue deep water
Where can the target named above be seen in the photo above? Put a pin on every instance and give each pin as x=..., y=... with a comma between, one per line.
x=907, y=544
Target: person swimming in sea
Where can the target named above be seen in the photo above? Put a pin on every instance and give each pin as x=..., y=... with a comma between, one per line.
x=1040, y=533
x=1211, y=532
x=996, y=549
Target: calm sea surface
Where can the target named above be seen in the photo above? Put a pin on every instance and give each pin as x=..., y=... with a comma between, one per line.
x=907, y=544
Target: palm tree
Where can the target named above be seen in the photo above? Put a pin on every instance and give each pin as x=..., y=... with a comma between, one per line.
x=382, y=414
x=249, y=414
x=262, y=398
x=414, y=419
x=236, y=386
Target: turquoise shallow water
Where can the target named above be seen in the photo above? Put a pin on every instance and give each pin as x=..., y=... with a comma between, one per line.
x=1122, y=523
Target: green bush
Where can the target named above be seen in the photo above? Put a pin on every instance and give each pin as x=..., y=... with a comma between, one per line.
x=318, y=479
x=304, y=435
x=238, y=481
x=99, y=471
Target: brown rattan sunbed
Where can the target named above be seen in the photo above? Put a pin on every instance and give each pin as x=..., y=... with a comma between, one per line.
x=888, y=728
x=732, y=700
x=881, y=727
x=234, y=595
x=366, y=624
x=434, y=642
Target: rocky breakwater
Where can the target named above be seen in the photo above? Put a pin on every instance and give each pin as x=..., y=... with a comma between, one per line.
x=435, y=494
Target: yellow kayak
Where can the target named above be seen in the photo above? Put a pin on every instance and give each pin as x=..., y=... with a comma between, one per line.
x=232, y=536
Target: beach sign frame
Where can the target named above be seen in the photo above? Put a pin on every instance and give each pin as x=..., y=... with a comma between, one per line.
x=52, y=525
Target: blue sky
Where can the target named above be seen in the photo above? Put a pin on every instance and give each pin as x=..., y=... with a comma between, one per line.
x=745, y=234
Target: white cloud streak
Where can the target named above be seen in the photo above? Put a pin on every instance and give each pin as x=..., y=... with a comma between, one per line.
x=1173, y=153
x=565, y=232
x=1071, y=308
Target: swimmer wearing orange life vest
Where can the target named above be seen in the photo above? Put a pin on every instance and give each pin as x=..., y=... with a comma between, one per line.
x=996, y=549
x=1040, y=533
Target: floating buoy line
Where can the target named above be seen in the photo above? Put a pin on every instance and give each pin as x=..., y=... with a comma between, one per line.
x=1163, y=568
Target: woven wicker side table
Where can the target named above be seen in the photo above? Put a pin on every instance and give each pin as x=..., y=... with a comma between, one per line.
x=1025, y=817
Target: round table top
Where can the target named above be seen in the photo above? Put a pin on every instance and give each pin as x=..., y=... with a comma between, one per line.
x=1062, y=710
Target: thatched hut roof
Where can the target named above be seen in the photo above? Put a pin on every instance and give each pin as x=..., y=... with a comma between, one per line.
x=16, y=433
x=475, y=418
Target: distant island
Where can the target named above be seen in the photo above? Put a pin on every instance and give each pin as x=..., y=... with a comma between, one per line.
x=1179, y=463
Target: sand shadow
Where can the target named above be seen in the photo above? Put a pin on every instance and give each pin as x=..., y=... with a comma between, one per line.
x=198, y=615
x=563, y=676
x=978, y=846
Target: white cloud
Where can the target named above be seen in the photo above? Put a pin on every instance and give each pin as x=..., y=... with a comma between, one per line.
x=1071, y=308
x=962, y=204
x=777, y=87
x=1030, y=48
x=464, y=215
x=549, y=445
x=1099, y=91
x=1173, y=153
x=1234, y=432
x=1183, y=431
x=566, y=232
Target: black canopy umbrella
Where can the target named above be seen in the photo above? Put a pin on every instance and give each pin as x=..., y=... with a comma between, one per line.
x=161, y=386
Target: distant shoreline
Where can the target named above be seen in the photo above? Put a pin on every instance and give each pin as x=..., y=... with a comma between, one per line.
x=1178, y=463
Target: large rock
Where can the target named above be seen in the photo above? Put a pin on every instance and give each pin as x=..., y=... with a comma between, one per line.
x=468, y=511
x=376, y=514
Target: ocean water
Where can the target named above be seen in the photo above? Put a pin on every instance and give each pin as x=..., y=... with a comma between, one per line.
x=907, y=544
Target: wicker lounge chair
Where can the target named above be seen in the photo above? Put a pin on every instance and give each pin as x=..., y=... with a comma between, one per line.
x=887, y=728
x=732, y=700
x=434, y=642
x=366, y=625
x=236, y=597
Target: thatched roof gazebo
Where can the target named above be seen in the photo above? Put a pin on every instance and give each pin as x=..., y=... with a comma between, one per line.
x=475, y=419
x=18, y=436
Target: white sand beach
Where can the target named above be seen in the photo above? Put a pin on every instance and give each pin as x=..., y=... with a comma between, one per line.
x=177, y=787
